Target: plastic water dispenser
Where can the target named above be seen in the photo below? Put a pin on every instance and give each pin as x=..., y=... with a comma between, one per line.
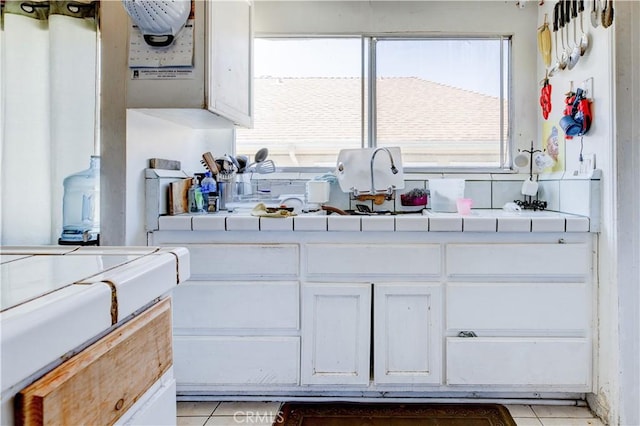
x=81, y=206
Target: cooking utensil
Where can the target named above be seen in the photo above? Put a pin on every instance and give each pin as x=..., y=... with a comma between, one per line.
x=556, y=67
x=265, y=167
x=158, y=21
x=607, y=13
x=243, y=161
x=564, y=57
x=209, y=162
x=595, y=11
x=584, y=38
x=574, y=57
x=261, y=155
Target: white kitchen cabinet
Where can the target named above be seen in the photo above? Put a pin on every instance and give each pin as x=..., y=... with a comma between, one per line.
x=407, y=336
x=519, y=316
x=337, y=313
x=336, y=324
x=221, y=79
x=230, y=61
x=237, y=321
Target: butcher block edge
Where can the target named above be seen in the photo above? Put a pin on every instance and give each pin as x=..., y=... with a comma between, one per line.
x=101, y=383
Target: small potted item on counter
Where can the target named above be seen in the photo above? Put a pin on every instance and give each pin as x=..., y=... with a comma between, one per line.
x=415, y=197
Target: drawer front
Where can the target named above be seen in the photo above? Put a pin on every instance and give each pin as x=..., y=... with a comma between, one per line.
x=231, y=261
x=519, y=306
x=552, y=363
x=369, y=259
x=236, y=305
x=231, y=360
x=534, y=259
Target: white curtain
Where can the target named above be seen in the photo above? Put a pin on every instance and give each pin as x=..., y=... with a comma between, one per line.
x=48, y=75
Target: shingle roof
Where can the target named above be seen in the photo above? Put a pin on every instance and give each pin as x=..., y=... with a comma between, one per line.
x=409, y=110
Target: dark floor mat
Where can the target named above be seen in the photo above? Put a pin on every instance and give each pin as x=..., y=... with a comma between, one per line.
x=355, y=414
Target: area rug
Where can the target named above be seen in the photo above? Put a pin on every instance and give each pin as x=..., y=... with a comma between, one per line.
x=355, y=414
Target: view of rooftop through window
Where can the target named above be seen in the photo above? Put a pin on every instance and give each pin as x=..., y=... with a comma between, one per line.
x=443, y=101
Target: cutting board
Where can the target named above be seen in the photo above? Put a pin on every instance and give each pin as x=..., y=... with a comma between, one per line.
x=178, y=196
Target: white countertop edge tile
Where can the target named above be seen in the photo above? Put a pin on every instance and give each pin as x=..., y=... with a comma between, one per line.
x=479, y=224
x=242, y=223
x=175, y=223
x=514, y=224
x=208, y=223
x=378, y=223
x=310, y=223
x=50, y=327
x=445, y=224
x=577, y=224
x=412, y=224
x=343, y=223
x=139, y=282
x=276, y=224
x=547, y=224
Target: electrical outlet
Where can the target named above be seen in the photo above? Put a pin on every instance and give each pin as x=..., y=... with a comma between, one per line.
x=587, y=87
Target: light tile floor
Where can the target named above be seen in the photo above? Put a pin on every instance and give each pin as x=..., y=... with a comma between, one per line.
x=263, y=413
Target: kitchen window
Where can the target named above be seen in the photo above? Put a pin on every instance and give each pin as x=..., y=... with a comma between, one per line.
x=445, y=101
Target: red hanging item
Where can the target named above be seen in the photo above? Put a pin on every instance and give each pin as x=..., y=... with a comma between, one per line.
x=545, y=98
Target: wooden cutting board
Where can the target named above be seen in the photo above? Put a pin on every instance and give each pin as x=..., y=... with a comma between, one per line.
x=178, y=199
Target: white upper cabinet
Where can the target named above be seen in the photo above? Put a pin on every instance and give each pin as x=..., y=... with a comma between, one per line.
x=230, y=60
x=222, y=75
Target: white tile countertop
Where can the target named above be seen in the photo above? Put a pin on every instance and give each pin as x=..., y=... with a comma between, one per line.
x=55, y=300
x=479, y=220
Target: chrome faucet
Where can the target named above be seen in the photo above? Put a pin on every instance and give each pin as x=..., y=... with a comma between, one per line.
x=394, y=170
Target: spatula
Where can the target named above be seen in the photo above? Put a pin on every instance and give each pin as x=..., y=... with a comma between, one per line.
x=607, y=14
x=265, y=167
x=594, y=14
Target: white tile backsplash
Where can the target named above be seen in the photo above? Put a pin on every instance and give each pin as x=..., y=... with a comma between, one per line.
x=479, y=192
x=503, y=192
x=549, y=191
x=576, y=197
x=563, y=192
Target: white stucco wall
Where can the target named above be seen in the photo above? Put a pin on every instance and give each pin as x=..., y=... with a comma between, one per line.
x=182, y=135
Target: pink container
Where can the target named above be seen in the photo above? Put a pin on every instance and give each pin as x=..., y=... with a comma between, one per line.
x=464, y=205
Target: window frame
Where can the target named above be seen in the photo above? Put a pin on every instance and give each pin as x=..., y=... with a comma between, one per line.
x=368, y=76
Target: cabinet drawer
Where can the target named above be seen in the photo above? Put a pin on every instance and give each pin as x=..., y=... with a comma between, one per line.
x=533, y=259
x=230, y=360
x=230, y=261
x=526, y=362
x=369, y=259
x=237, y=305
x=518, y=306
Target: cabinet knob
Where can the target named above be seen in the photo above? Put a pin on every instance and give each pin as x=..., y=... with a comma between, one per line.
x=467, y=334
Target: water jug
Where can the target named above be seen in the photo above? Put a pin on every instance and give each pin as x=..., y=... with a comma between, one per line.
x=81, y=205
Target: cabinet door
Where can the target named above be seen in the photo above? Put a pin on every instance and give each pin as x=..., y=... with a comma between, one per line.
x=407, y=334
x=231, y=60
x=336, y=320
